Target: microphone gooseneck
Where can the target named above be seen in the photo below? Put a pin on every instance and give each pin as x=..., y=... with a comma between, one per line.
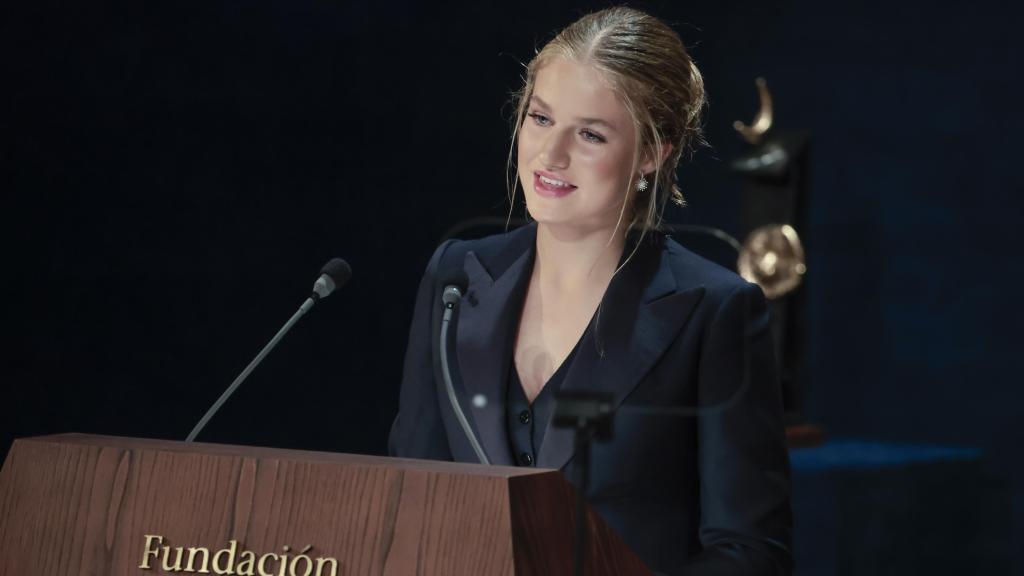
x=455, y=282
x=333, y=275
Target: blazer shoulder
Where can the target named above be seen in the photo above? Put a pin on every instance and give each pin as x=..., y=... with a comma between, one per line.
x=692, y=270
x=495, y=251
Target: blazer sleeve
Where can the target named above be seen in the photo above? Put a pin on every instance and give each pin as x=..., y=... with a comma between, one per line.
x=746, y=522
x=418, y=430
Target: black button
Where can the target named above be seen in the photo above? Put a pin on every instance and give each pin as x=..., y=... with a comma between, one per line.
x=524, y=416
x=526, y=459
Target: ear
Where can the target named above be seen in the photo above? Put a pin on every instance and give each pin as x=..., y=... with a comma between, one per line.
x=649, y=164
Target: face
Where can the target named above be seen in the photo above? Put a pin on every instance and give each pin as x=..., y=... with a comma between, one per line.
x=575, y=149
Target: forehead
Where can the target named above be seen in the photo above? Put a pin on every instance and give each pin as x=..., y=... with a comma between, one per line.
x=579, y=90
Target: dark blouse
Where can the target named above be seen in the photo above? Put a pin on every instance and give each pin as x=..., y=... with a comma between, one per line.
x=526, y=423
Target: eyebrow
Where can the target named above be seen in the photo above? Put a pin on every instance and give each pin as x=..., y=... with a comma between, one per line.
x=588, y=121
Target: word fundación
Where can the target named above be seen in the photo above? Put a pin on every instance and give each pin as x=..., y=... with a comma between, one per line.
x=230, y=560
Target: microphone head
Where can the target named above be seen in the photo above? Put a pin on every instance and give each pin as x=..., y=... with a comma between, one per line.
x=333, y=275
x=338, y=270
x=455, y=282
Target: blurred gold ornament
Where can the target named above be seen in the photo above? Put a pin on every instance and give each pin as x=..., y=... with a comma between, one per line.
x=763, y=121
x=773, y=258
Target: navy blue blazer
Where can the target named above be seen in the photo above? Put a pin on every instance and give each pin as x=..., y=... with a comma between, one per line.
x=703, y=495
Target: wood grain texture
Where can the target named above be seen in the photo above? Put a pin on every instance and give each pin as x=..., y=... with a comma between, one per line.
x=543, y=520
x=82, y=505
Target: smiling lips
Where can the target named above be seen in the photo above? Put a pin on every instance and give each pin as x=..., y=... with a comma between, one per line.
x=551, y=187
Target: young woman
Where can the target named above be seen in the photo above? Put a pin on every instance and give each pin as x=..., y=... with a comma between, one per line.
x=590, y=296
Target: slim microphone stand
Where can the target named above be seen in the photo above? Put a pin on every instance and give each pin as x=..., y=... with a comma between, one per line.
x=451, y=297
x=589, y=414
x=306, y=306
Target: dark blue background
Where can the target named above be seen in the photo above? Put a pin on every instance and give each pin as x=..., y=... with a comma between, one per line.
x=175, y=173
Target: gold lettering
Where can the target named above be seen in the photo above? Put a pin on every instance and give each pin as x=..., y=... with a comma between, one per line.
x=284, y=560
x=259, y=565
x=224, y=560
x=309, y=564
x=148, y=551
x=320, y=566
x=177, y=560
x=203, y=568
x=247, y=566
x=230, y=553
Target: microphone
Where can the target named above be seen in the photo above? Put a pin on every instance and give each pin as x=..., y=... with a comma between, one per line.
x=455, y=282
x=333, y=275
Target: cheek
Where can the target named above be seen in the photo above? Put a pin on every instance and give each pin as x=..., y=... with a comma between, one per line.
x=607, y=166
x=526, y=147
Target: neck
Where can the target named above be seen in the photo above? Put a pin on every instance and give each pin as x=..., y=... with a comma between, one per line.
x=575, y=261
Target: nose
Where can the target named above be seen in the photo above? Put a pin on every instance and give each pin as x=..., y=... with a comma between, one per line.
x=555, y=153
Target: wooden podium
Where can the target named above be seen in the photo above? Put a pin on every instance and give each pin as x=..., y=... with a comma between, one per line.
x=75, y=504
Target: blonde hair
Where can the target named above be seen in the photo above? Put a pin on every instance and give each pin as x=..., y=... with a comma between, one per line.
x=648, y=67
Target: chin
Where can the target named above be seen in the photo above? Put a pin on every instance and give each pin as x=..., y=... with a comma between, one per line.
x=554, y=221
x=545, y=211
x=545, y=217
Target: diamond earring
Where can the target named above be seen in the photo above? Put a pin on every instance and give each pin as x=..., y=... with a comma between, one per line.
x=641, y=184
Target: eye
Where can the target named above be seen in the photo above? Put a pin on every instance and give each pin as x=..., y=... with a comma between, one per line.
x=539, y=119
x=591, y=136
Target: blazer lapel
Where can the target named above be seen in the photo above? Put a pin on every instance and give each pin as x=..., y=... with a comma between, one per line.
x=640, y=315
x=485, y=334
